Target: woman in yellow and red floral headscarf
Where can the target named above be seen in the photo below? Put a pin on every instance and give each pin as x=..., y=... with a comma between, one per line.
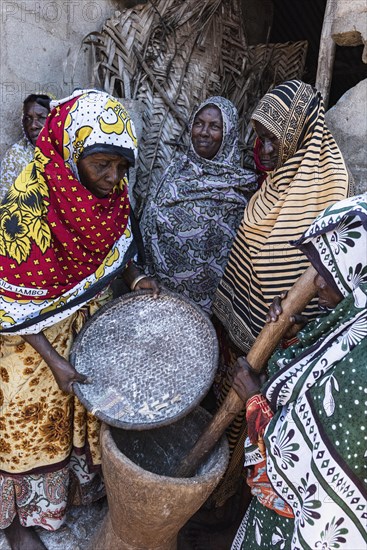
x=66, y=231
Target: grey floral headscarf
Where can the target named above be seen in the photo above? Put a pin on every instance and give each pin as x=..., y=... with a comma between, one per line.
x=228, y=153
x=190, y=222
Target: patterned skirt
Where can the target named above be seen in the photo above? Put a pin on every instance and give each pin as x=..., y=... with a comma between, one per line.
x=49, y=444
x=262, y=529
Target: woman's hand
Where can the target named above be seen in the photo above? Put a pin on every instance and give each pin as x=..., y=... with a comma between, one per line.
x=245, y=382
x=64, y=373
x=297, y=321
x=136, y=280
x=148, y=283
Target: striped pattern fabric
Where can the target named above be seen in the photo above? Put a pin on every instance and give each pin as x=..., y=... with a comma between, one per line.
x=310, y=175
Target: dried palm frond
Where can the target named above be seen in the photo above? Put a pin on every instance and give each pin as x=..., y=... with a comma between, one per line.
x=171, y=55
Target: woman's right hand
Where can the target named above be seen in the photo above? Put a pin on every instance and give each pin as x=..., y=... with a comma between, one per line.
x=245, y=382
x=297, y=321
x=64, y=373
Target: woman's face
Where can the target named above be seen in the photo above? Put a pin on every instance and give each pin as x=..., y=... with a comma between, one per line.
x=101, y=172
x=207, y=132
x=269, y=148
x=34, y=118
x=329, y=298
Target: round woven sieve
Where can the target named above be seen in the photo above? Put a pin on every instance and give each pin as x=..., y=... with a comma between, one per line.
x=150, y=361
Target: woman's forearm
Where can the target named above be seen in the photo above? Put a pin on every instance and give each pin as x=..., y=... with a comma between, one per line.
x=130, y=274
x=42, y=346
x=63, y=372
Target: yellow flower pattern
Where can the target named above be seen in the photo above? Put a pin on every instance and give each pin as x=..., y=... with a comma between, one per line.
x=22, y=216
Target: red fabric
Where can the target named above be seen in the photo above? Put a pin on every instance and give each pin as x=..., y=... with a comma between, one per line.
x=287, y=343
x=261, y=488
x=258, y=416
x=262, y=171
x=83, y=227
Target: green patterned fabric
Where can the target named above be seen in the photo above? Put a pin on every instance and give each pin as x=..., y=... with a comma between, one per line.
x=262, y=528
x=316, y=441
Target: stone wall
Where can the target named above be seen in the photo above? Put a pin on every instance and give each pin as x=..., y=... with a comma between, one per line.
x=348, y=118
x=41, y=52
x=347, y=121
x=349, y=27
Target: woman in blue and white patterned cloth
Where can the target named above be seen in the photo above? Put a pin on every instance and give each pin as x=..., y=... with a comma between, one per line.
x=35, y=110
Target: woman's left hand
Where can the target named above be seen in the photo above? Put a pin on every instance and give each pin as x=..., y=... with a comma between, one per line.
x=297, y=321
x=136, y=280
x=148, y=283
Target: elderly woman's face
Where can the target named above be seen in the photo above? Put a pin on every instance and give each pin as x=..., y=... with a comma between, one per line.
x=207, y=132
x=101, y=172
x=269, y=148
x=329, y=298
x=34, y=118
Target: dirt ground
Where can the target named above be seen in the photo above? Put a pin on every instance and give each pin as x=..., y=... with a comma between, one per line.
x=81, y=524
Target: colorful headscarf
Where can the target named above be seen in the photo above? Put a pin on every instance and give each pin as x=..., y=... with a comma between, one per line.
x=310, y=176
x=59, y=244
x=314, y=444
x=189, y=224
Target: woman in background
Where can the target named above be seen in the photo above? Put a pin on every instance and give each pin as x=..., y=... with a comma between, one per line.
x=35, y=110
x=189, y=224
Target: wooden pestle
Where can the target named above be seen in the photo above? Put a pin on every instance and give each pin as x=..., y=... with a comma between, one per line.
x=298, y=297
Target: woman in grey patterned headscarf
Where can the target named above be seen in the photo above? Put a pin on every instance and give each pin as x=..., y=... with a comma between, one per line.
x=189, y=224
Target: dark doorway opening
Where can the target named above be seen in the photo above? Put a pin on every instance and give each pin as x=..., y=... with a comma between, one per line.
x=302, y=20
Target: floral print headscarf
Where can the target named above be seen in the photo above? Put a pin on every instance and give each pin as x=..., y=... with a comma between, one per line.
x=59, y=244
x=336, y=245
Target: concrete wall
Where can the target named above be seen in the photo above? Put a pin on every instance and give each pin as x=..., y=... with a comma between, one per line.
x=41, y=52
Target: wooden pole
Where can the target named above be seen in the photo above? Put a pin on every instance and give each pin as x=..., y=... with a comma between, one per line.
x=298, y=297
x=326, y=58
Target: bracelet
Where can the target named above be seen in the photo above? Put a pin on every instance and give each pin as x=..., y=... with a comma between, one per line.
x=137, y=280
